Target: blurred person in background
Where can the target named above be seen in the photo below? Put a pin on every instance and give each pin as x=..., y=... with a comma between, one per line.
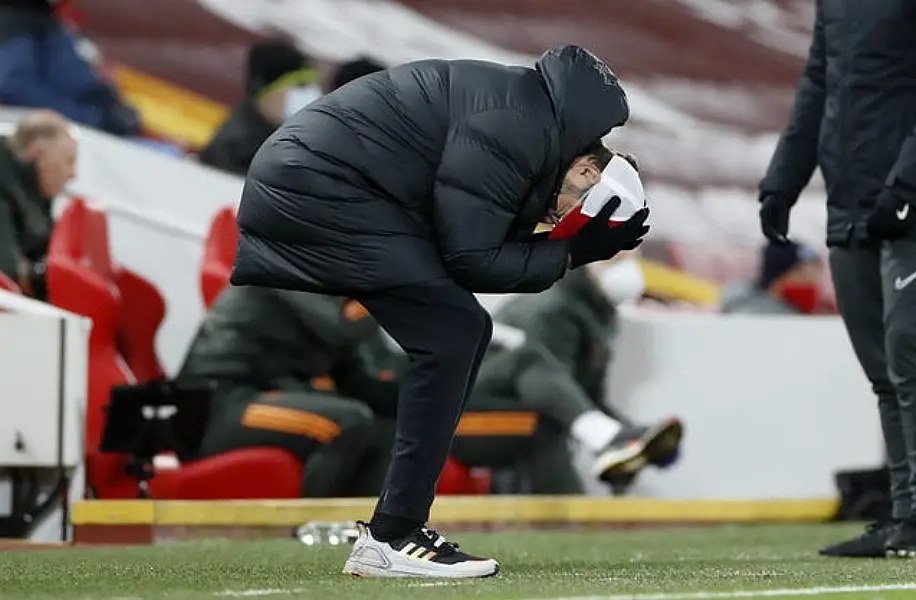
x=551, y=353
x=854, y=117
x=789, y=283
x=36, y=163
x=41, y=67
x=279, y=82
x=287, y=375
x=354, y=69
x=409, y=190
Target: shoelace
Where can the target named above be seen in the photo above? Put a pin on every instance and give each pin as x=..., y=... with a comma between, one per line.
x=439, y=542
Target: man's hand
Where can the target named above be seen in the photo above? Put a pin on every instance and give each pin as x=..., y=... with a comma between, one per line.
x=597, y=240
x=892, y=217
x=774, y=218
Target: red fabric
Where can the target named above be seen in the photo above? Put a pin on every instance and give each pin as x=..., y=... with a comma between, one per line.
x=570, y=225
x=140, y=314
x=458, y=479
x=251, y=473
x=219, y=254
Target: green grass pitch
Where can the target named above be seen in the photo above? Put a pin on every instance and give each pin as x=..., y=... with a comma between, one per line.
x=676, y=564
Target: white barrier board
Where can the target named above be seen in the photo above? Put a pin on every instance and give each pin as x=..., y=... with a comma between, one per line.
x=773, y=406
x=43, y=384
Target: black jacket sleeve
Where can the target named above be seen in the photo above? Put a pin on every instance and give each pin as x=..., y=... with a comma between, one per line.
x=488, y=168
x=795, y=158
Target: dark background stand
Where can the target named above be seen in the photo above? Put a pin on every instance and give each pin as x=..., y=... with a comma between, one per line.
x=146, y=420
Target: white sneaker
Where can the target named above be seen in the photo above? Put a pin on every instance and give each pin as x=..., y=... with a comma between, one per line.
x=425, y=553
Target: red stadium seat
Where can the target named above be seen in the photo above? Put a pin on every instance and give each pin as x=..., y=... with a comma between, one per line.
x=140, y=313
x=81, y=279
x=458, y=479
x=219, y=254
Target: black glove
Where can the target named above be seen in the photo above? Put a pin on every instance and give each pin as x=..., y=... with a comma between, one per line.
x=774, y=218
x=891, y=218
x=597, y=241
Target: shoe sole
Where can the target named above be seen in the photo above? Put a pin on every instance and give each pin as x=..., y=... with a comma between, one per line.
x=905, y=554
x=368, y=571
x=659, y=442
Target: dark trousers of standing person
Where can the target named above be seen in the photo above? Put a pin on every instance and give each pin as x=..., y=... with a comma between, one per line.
x=876, y=296
x=445, y=332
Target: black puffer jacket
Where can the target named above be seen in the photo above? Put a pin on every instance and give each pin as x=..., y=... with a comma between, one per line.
x=855, y=112
x=427, y=171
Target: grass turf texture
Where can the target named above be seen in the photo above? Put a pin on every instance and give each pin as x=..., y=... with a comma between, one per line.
x=672, y=563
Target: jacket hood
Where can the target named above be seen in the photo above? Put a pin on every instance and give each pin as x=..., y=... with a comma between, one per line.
x=587, y=98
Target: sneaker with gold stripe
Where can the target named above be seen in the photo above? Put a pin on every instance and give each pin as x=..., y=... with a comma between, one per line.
x=425, y=553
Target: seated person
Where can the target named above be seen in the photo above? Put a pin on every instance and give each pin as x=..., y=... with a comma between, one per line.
x=354, y=69
x=287, y=375
x=36, y=163
x=41, y=67
x=789, y=283
x=279, y=82
x=542, y=383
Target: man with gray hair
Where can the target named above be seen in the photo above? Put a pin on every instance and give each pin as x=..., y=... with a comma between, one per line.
x=36, y=162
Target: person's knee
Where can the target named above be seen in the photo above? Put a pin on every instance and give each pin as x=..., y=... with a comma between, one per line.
x=467, y=333
x=536, y=356
x=354, y=418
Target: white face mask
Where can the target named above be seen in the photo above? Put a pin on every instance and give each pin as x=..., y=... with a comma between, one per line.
x=298, y=98
x=622, y=282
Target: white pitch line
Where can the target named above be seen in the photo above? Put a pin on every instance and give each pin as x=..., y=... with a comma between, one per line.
x=735, y=595
x=783, y=593
x=260, y=592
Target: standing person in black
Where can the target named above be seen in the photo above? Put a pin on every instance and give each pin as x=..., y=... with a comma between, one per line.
x=409, y=190
x=855, y=117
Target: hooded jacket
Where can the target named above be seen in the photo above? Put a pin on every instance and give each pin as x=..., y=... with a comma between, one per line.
x=429, y=171
x=854, y=113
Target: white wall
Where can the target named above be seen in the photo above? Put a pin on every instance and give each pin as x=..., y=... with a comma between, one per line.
x=773, y=406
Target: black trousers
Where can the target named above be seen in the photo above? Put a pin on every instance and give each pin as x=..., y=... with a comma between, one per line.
x=445, y=332
x=876, y=296
x=332, y=435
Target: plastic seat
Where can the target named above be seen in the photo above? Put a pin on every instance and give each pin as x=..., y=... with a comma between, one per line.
x=81, y=279
x=458, y=479
x=219, y=254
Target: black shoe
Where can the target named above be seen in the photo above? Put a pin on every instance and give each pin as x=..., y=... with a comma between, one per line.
x=634, y=448
x=871, y=544
x=902, y=541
